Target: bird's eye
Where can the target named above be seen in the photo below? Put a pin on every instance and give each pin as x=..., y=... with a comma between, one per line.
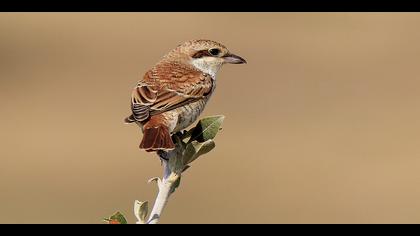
x=214, y=51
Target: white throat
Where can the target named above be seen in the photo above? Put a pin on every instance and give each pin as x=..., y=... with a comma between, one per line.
x=207, y=65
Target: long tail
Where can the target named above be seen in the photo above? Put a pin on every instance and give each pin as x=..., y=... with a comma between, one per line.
x=156, y=138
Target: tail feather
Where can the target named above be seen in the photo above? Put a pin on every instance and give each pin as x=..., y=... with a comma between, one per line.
x=129, y=119
x=156, y=138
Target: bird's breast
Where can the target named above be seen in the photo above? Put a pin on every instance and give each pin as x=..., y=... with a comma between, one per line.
x=188, y=114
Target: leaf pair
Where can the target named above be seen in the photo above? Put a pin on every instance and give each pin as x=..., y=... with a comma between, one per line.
x=116, y=219
x=200, y=141
x=140, y=211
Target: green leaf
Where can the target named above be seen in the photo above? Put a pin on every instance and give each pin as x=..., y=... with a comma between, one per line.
x=196, y=149
x=140, y=211
x=206, y=129
x=117, y=218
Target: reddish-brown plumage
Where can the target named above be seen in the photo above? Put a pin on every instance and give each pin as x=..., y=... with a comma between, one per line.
x=165, y=88
x=172, y=94
x=158, y=137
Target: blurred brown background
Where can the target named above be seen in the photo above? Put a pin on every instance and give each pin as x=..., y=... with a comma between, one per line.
x=322, y=125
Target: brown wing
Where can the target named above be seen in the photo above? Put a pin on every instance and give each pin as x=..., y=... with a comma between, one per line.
x=166, y=87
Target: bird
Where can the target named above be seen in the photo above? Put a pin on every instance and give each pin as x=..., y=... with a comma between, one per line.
x=174, y=92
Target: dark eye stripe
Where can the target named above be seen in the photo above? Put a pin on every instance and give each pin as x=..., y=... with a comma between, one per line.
x=202, y=53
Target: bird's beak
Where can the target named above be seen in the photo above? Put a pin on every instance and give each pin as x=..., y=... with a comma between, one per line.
x=233, y=59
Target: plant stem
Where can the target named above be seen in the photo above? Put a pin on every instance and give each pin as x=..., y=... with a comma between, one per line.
x=166, y=186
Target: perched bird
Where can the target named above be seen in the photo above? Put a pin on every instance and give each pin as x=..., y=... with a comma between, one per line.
x=174, y=92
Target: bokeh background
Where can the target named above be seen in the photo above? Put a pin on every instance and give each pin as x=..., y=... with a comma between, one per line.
x=322, y=125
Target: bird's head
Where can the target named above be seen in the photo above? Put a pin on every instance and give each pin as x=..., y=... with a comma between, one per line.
x=206, y=55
